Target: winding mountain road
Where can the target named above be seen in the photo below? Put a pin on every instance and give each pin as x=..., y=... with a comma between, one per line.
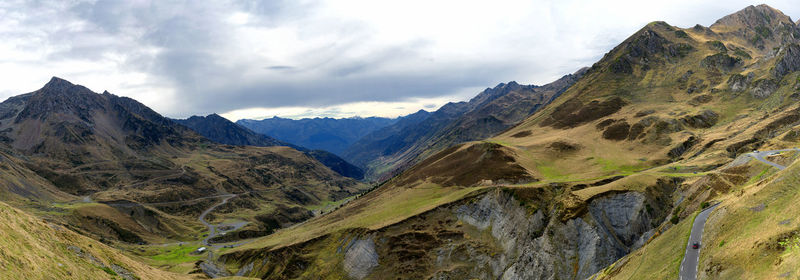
x=760, y=156
x=692, y=256
x=212, y=229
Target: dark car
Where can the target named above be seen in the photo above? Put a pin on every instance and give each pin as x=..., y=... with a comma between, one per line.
x=695, y=245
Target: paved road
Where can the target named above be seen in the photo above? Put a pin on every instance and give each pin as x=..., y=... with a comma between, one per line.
x=212, y=229
x=692, y=256
x=761, y=154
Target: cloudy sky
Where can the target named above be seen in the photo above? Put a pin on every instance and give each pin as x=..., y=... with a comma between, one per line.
x=306, y=58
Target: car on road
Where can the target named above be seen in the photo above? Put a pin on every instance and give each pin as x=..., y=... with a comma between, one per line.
x=695, y=245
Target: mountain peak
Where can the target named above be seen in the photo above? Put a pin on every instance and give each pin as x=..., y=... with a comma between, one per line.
x=58, y=83
x=761, y=26
x=752, y=17
x=60, y=87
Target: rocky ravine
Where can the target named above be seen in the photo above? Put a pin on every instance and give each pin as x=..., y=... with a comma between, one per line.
x=492, y=235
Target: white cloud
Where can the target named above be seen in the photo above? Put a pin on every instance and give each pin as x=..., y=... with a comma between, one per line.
x=353, y=109
x=326, y=57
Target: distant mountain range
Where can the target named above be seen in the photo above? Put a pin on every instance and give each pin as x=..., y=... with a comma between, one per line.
x=221, y=130
x=333, y=135
x=387, y=151
x=385, y=147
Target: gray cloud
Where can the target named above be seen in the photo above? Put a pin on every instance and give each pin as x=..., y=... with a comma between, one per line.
x=280, y=67
x=199, y=57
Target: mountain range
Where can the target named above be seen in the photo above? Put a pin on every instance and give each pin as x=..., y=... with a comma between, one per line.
x=328, y=134
x=386, y=152
x=673, y=156
x=221, y=130
x=604, y=182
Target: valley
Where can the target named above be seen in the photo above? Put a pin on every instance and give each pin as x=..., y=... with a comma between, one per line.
x=672, y=157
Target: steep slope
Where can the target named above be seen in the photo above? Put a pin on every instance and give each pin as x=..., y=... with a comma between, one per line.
x=636, y=146
x=490, y=112
x=151, y=176
x=755, y=218
x=221, y=130
x=19, y=184
x=34, y=249
x=328, y=134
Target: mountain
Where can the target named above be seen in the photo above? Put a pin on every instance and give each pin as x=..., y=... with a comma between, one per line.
x=388, y=151
x=604, y=182
x=111, y=168
x=221, y=130
x=328, y=134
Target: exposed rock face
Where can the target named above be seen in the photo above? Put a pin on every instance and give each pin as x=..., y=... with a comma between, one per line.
x=360, y=258
x=536, y=247
x=683, y=147
x=213, y=269
x=705, y=119
x=763, y=88
x=788, y=62
x=489, y=236
x=738, y=83
x=721, y=62
x=647, y=47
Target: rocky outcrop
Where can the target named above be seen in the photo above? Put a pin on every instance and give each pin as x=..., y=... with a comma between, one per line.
x=647, y=47
x=763, y=88
x=789, y=61
x=739, y=83
x=705, y=119
x=360, y=258
x=683, y=147
x=537, y=247
x=213, y=269
x=721, y=62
